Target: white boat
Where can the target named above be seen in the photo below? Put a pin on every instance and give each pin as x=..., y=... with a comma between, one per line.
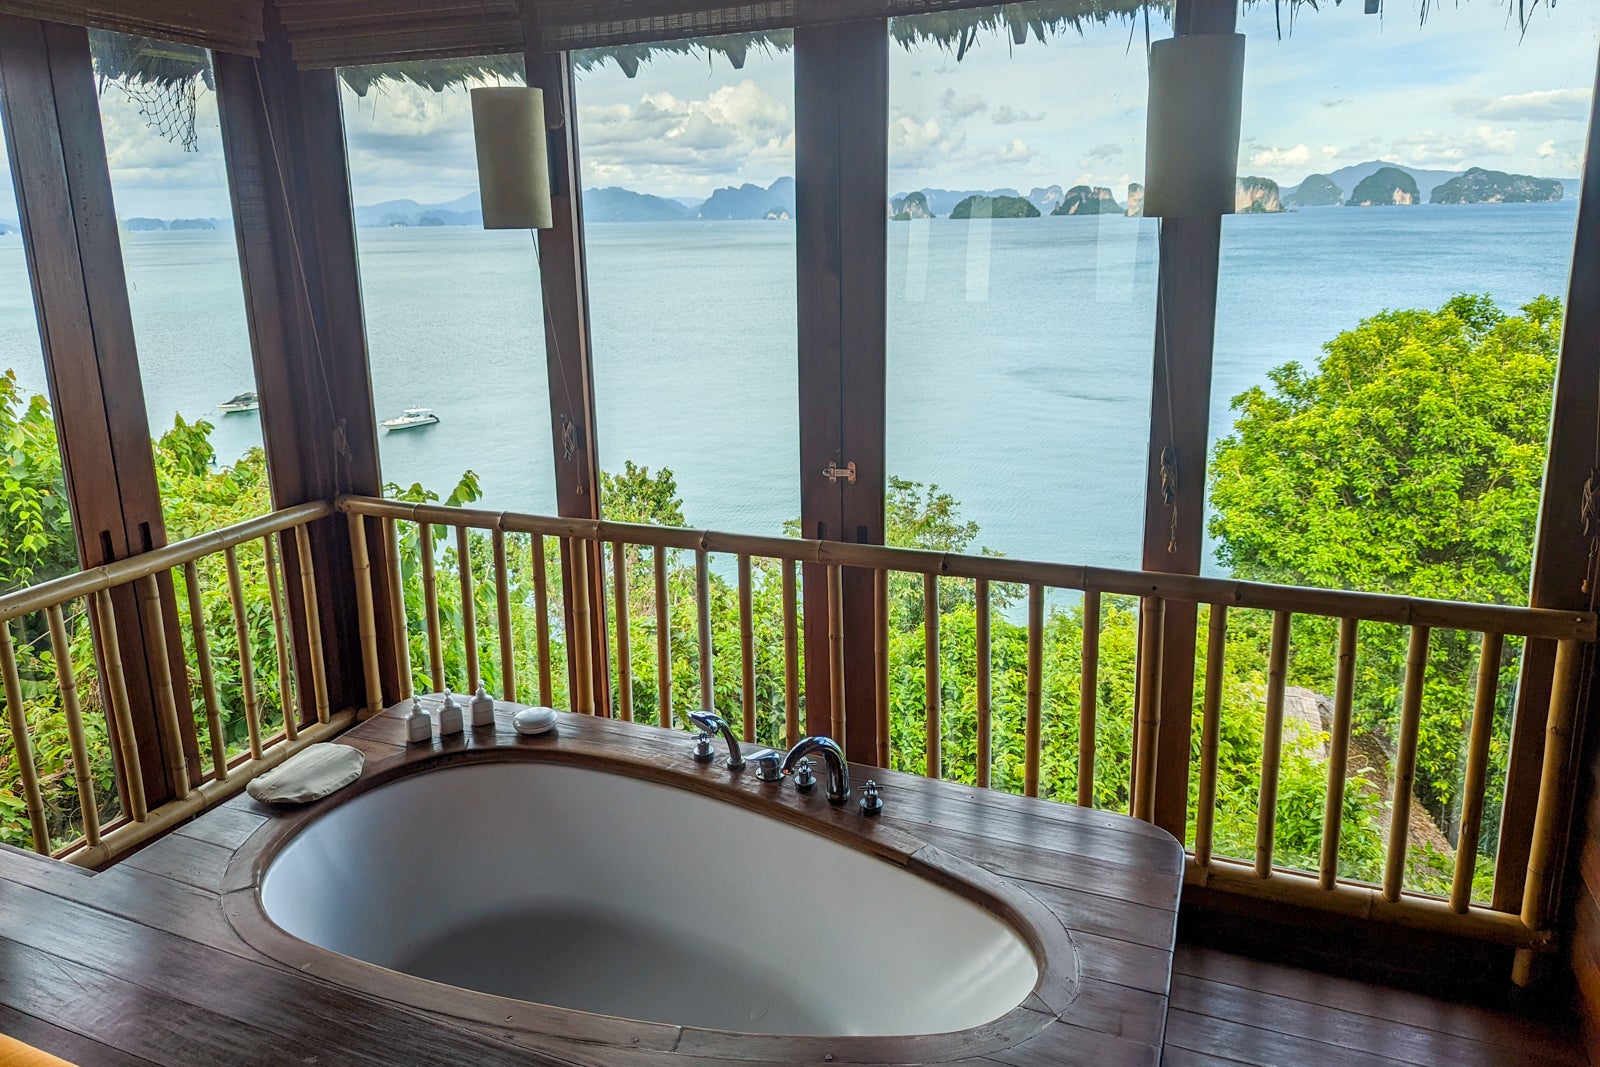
x=411, y=417
x=242, y=402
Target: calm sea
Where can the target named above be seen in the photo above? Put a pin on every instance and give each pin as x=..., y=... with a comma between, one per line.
x=1019, y=350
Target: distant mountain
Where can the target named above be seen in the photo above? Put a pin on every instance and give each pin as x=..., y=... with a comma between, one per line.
x=1318, y=190
x=914, y=206
x=1046, y=198
x=462, y=211
x=1479, y=186
x=979, y=206
x=7, y=226
x=1083, y=200
x=1351, y=176
x=625, y=205
x=751, y=201
x=944, y=201
x=196, y=224
x=143, y=225
x=1385, y=187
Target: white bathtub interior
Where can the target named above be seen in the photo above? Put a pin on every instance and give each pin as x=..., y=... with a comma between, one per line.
x=595, y=891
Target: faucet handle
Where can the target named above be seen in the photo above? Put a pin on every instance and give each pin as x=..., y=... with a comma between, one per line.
x=769, y=765
x=703, y=752
x=804, y=780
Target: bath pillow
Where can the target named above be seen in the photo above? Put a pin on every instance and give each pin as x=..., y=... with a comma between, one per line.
x=310, y=774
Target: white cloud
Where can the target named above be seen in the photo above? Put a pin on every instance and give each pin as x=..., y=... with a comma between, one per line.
x=1005, y=115
x=1547, y=150
x=1468, y=148
x=1298, y=156
x=1548, y=105
x=1015, y=152
x=961, y=107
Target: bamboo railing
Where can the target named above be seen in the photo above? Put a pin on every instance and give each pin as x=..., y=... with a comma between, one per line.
x=194, y=787
x=1259, y=876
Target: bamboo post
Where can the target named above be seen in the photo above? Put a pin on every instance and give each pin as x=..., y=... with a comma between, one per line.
x=1344, y=688
x=663, y=641
x=502, y=613
x=116, y=684
x=1272, y=743
x=1205, y=812
x=747, y=651
x=836, y=705
x=1088, y=696
x=366, y=616
x=578, y=633
x=1477, y=771
x=84, y=782
x=1405, y=763
x=1152, y=619
x=208, y=682
x=161, y=682
x=702, y=591
x=308, y=583
x=541, y=611
x=22, y=746
x=880, y=667
x=241, y=633
x=469, y=608
x=982, y=658
x=430, y=606
x=934, y=735
x=1033, y=726
x=619, y=585
x=286, y=697
x=397, y=599
x=791, y=656
x=1554, y=787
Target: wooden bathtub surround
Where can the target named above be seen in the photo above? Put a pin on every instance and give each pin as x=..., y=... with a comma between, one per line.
x=1093, y=894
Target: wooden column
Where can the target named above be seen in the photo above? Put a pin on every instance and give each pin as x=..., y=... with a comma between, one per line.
x=1180, y=418
x=283, y=138
x=841, y=85
x=1561, y=547
x=564, y=276
x=69, y=225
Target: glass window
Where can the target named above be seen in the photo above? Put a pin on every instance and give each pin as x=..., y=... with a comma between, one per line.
x=688, y=175
x=1387, y=327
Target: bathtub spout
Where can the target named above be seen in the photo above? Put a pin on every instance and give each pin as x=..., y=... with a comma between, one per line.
x=712, y=723
x=838, y=768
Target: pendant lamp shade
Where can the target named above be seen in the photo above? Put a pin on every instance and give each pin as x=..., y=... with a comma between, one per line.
x=1191, y=154
x=513, y=157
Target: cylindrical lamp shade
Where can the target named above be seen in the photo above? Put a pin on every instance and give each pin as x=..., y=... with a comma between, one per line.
x=1191, y=147
x=513, y=158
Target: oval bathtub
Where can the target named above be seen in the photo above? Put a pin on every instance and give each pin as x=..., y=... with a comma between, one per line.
x=583, y=889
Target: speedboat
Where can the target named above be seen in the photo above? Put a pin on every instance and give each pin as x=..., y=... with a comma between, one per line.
x=411, y=417
x=242, y=402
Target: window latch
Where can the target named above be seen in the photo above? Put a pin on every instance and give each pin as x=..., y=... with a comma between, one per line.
x=833, y=472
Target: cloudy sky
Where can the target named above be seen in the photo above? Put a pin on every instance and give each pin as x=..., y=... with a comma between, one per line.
x=1341, y=87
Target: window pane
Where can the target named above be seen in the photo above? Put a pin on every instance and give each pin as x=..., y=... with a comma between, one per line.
x=453, y=311
x=1387, y=328
x=689, y=202
x=158, y=110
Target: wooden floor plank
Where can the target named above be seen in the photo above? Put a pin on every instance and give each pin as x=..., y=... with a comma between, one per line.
x=185, y=859
x=228, y=825
x=72, y=1047
x=1260, y=1047
x=1172, y=1056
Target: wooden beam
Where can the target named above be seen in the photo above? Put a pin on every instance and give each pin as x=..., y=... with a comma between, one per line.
x=841, y=159
x=283, y=139
x=564, y=278
x=1180, y=425
x=63, y=187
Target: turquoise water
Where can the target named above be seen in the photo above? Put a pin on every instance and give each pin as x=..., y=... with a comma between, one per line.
x=1019, y=350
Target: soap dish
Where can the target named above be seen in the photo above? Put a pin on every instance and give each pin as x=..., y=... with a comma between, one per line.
x=531, y=721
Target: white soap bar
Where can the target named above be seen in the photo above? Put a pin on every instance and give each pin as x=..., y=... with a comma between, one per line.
x=534, y=720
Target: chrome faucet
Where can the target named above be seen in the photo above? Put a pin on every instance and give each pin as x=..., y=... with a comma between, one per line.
x=712, y=723
x=838, y=768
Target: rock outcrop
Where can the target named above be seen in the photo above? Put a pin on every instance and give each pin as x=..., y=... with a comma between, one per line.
x=1135, y=200
x=1084, y=200
x=1479, y=186
x=1318, y=190
x=914, y=206
x=995, y=207
x=1257, y=196
x=1385, y=187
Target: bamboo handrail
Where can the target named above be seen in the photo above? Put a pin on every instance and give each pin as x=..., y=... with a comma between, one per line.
x=155, y=634
x=241, y=633
x=747, y=651
x=366, y=617
x=401, y=625
x=663, y=641
x=1205, y=810
x=308, y=584
x=982, y=683
x=22, y=745
x=469, y=609
x=287, y=699
x=932, y=726
x=880, y=667
x=430, y=607
x=619, y=585
x=1033, y=713
x=88, y=806
x=702, y=601
x=541, y=611
x=1088, y=696
x=116, y=687
x=1405, y=763
x=1373, y=607
x=502, y=619
x=791, y=657
x=1554, y=796
x=1152, y=616
x=208, y=681
x=1472, y=787
x=836, y=706
x=1338, y=754
x=1272, y=742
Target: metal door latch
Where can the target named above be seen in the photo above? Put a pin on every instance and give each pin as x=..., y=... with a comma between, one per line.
x=833, y=472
